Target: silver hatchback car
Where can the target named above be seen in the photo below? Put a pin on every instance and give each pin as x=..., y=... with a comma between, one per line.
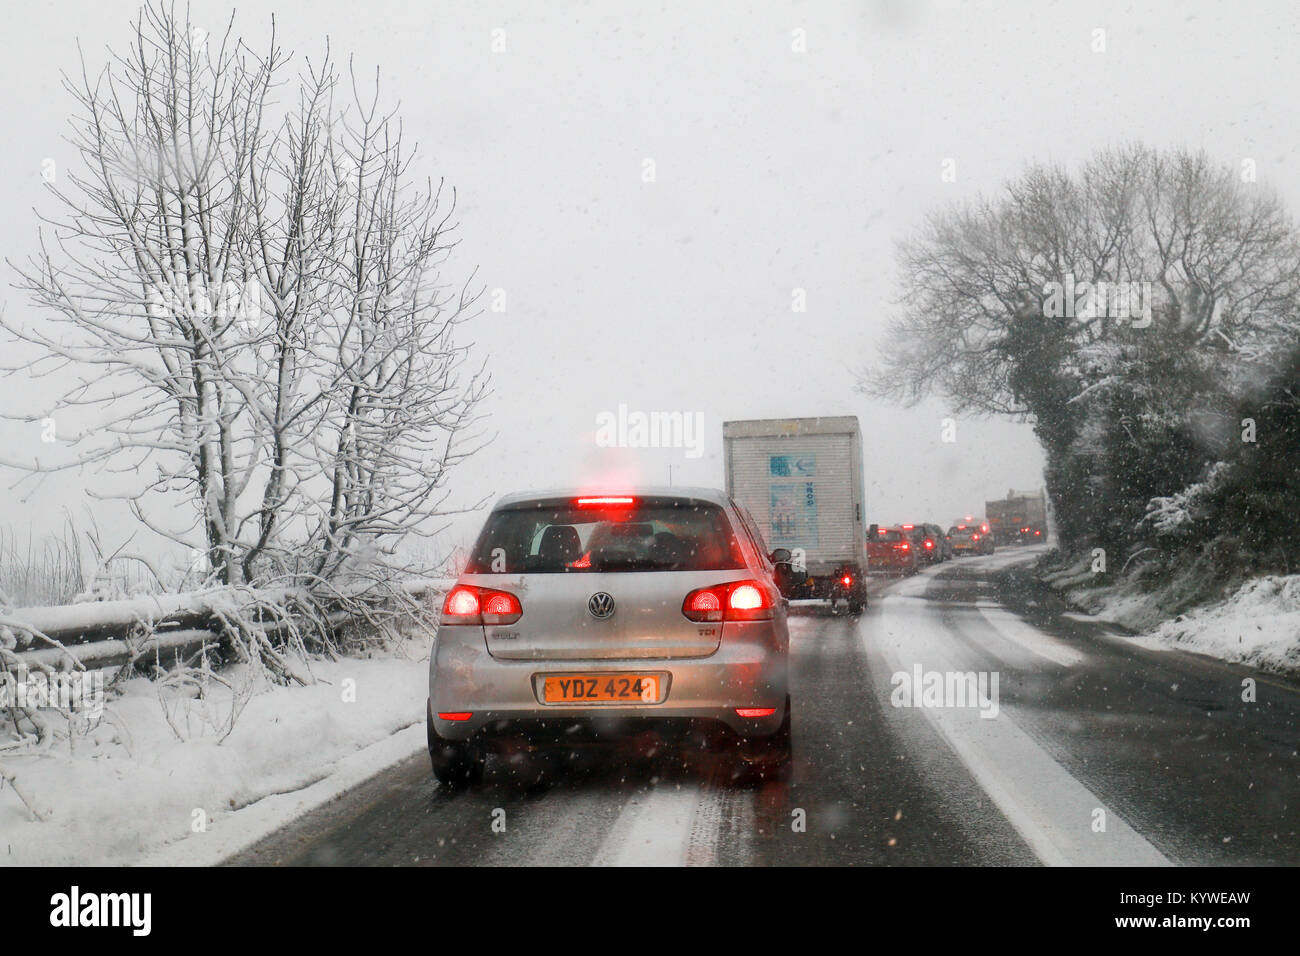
x=585, y=617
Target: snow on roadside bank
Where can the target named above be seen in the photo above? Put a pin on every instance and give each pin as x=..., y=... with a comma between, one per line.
x=1258, y=625
x=130, y=785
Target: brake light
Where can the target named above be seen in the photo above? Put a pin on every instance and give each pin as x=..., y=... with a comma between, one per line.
x=456, y=715
x=904, y=546
x=984, y=528
x=975, y=536
x=847, y=580
x=929, y=543
x=745, y=597
x=755, y=711
x=461, y=602
x=907, y=527
x=1037, y=533
x=605, y=500
x=737, y=601
x=467, y=604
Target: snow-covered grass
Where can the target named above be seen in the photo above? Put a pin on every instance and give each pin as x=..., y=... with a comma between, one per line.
x=1258, y=625
x=1257, y=622
x=159, y=767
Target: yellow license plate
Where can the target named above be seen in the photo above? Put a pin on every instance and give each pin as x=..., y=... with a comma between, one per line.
x=601, y=688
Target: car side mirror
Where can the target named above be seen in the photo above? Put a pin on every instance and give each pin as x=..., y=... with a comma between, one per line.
x=781, y=556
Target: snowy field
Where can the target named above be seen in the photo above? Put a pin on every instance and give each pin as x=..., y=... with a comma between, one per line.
x=163, y=777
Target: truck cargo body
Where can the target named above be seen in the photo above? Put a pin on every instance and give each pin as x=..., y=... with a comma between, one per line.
x=802, y=480
x=1020, y=518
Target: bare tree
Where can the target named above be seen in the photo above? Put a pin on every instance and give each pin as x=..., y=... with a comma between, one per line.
x=242, y=295
x=1214, y=264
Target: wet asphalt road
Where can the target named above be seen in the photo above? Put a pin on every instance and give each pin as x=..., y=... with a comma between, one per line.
x=1093, y=751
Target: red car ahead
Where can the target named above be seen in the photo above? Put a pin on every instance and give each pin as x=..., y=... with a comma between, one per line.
x=891, y=551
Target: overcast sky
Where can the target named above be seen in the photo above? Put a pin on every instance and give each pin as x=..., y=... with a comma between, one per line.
x=775, y=170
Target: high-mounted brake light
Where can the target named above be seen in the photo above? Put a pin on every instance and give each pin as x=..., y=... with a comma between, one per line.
x=737, y=601
x=467, y=604
x=605, y=500
x=907, y=527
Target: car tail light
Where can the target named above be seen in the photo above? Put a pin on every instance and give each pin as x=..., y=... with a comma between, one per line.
x=755, y=711
x=737, y=601
x=975, y=536
x=847, y=580
x=929, y=544
x=455, y=715
x=461, y=602
x=467, y=604
x=705, y=604
x=903, y=546
x=1037, y=533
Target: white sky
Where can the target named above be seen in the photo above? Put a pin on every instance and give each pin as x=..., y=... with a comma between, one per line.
x=775, y=170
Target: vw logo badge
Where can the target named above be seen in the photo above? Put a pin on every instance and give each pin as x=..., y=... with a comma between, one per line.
x=601, y=605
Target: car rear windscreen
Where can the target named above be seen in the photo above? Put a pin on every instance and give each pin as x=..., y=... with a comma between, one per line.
x=650, y=535
x=889, y=536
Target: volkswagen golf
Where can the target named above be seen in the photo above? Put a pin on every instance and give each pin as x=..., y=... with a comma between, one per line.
x=581, y=618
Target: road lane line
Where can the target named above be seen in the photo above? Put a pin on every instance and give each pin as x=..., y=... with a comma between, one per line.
x=1015, y=630
x=665, y=825
x=1053, y=812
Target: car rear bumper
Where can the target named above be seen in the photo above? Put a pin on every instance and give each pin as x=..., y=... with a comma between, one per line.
x=500, y=697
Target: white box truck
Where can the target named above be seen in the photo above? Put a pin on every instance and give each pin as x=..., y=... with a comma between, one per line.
x=801, y=479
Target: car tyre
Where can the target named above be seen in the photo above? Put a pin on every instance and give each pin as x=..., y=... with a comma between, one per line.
x=455, y=763
x=771, y=758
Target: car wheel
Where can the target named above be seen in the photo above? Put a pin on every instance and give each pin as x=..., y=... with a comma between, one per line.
x=455, y=763
x=770, y=758
x=857, y=607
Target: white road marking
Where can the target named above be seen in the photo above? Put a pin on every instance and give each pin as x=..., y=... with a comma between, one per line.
x=1052, y=811
x=666, y=825
x=1030, y=638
